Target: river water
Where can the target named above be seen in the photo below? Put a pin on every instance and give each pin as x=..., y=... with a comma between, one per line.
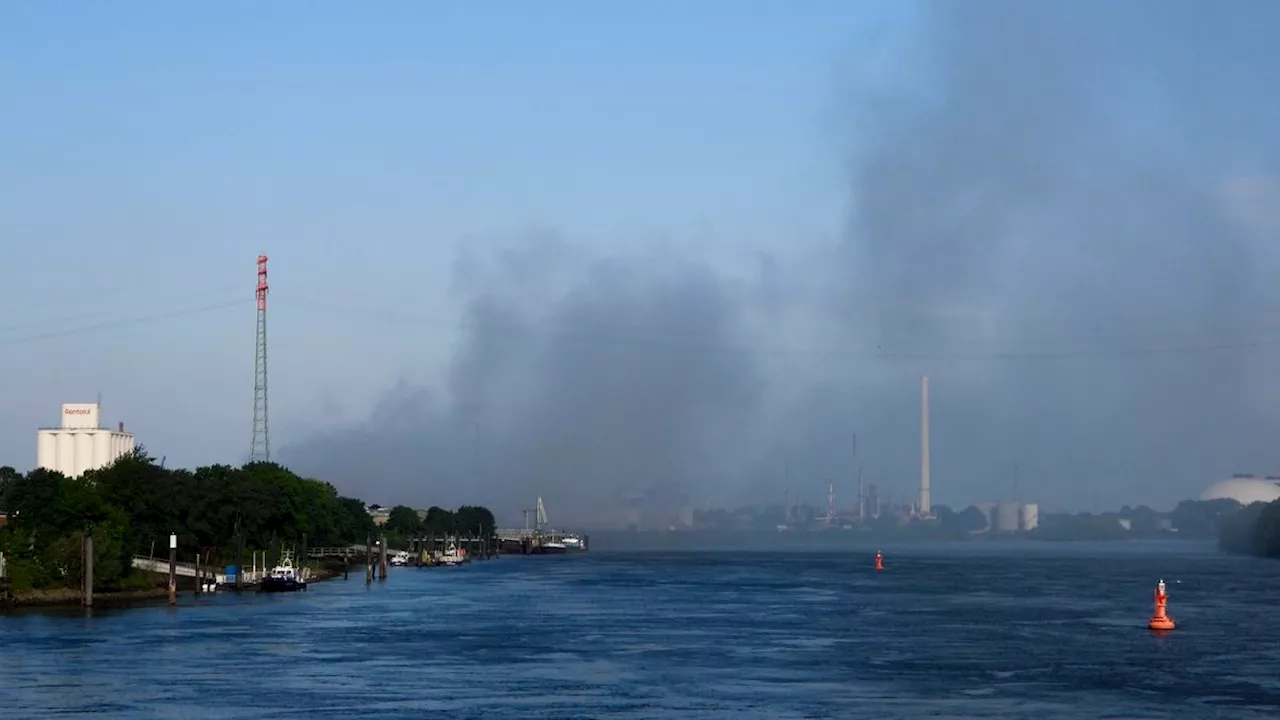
x=983, y=630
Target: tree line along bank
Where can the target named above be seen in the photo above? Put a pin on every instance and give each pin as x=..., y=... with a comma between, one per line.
x=133, y=505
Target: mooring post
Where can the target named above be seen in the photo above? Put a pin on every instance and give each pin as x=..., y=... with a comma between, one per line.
x=382, y=558
x=239, y=563
x=198, y=578
x=88, y=569
x=173, y=569
x=368, y=559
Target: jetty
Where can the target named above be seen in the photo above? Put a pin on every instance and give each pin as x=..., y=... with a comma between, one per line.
x=539, y=539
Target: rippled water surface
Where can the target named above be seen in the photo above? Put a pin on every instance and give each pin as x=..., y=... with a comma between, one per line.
x=970, y=631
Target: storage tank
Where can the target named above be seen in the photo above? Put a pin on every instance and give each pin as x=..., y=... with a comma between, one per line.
x=47, y=449
x=989, y=511
x=82, y=455
x=102, y=447
x=1007, y=516
x=1030, y=517
x=66, y=452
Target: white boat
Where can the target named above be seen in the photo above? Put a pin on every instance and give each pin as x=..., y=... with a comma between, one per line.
x=400, y=558
x=451, y=557
x=283, y=577
x=550, y=548
x=572, y=542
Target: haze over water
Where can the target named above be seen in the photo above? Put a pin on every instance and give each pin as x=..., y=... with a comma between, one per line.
x=985, y=630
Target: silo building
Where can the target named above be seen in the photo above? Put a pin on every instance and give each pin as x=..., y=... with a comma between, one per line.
x=81, y=444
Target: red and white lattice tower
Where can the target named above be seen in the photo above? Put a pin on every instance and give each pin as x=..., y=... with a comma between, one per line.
x=260, y=447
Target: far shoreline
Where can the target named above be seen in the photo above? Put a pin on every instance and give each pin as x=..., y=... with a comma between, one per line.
x=852, y=541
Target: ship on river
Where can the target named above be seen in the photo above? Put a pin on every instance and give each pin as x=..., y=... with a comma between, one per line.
x=540, y=539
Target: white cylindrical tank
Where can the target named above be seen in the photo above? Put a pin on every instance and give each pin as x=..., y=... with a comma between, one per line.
x=1030, y=517
x=47, y=449
x=66, y=452
x=101, y=450
x=83, y=454
x=989, y=510
x=1007, y=516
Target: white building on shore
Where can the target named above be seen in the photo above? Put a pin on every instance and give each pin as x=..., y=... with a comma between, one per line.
x=81, y=443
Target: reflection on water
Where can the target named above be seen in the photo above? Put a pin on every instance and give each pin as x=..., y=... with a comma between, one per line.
x=996, y=631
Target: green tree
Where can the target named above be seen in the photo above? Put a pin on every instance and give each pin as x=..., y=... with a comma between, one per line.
x=403, y=520
x=474, y=520
x=132, y=506
x=970, y=520
x=439, y=521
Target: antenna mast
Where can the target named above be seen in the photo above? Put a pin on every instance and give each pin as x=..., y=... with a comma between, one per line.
x=862, y=496
x=925, y=504
x=260, y=446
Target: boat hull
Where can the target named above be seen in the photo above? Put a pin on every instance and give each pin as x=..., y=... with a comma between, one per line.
x=278, y=585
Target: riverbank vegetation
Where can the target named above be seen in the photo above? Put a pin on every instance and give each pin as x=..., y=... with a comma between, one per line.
x=1254, y=530
x=133, y=505
x=404, y=523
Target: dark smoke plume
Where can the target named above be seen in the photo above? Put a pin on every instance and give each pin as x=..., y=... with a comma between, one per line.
x=581, y=379
x=1058, y=212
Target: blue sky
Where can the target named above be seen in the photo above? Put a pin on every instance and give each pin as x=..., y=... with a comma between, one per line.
x=946, y=179
x=152, y=149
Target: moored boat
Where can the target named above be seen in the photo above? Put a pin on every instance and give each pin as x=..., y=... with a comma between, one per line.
x=451, y=557
x=548, y=548
x=283, y=577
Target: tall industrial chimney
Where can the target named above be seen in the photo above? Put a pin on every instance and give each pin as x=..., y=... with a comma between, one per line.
x=924, y=446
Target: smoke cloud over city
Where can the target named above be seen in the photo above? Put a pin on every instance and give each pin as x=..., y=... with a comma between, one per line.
x=1062, y=216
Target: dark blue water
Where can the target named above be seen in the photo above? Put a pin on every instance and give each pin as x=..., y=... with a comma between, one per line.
x=964, y=631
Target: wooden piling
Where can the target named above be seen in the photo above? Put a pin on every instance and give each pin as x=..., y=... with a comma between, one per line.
x=88, y=570
x=173, y=569
x=368, y=559
x=239, y=563
x=382, y=558
x=198, y=587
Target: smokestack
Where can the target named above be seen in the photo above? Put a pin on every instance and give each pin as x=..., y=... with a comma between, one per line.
x=924, y=445
x=862, y=496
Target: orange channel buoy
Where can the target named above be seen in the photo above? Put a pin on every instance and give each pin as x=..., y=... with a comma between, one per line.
x=879, y=561
x=1161, y=620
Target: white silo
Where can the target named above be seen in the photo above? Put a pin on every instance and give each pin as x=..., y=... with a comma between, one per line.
x=1007, y=516
x=989, y=512
x=80, y=443
x=1030, y=517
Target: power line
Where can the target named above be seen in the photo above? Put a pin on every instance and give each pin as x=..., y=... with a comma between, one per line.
x=864, y=312
x=122, y=322
x=38, y=322
x=597, y=333
x=868, y=350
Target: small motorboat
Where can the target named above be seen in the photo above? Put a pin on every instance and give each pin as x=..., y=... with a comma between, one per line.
x=283, y=577
x=451, y=557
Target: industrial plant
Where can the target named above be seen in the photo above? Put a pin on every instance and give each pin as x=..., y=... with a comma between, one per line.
x=81, y=444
